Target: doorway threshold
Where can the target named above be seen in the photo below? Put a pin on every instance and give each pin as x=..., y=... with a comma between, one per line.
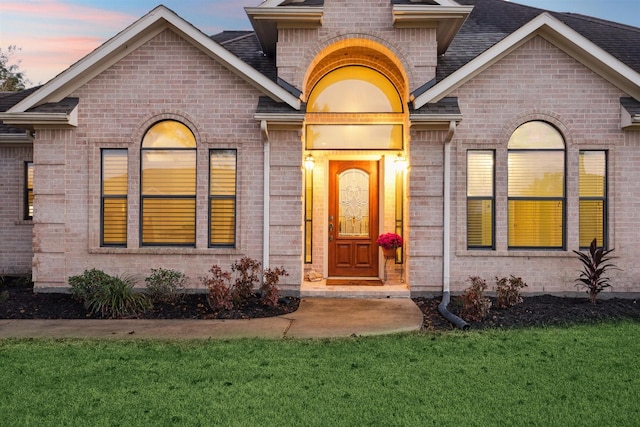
x=319, y=289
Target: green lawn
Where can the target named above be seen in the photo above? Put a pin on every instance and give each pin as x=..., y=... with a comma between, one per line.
x=580, y=376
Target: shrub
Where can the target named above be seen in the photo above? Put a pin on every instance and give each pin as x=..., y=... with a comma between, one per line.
x=595, y=264
x=165, y=285
x=4, y=295
x=509, y=291
x=475, y=306
x=86, y=284
x=116, y=298
x=269, y=287
x=110, y=296
x=247, y=272
x=225, y=293
x=218, y=289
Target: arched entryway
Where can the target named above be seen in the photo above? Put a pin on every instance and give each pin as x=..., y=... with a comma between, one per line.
x=355, y=128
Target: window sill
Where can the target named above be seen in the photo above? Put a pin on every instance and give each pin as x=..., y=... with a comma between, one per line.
x=24, y=222
x=165, y=251
x=511, y=253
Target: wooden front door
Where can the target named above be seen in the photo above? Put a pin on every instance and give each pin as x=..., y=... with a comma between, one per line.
x=353, y=218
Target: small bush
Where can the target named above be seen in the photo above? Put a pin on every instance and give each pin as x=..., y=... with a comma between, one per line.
x=475, y=306
x=218, y=289
x=116, y=298
x=4, y=295
x=165, y=285
x=224, y=292
x=247, y=271
x=595, y=264
x=87, y=284
x=509, y=291
x=110, y=296
x=269, y=287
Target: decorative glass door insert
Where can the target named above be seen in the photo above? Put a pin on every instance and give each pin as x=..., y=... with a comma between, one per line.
x=353, y=204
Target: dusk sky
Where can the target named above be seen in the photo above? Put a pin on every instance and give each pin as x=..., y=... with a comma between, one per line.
x=53, y=34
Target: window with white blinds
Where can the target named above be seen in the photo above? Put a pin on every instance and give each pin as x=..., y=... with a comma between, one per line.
x=222, y=198
x=28, y=190
x=593, y=197
x=536, y=187
x=480, y=198
x=168, y=185
x=114, y=197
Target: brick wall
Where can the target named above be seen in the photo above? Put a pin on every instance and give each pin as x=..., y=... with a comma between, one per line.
x=166, y=78
x=15, y=244
x=540, y=82
x=362, y=19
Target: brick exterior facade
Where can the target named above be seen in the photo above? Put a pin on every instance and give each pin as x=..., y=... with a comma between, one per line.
x=169, y=78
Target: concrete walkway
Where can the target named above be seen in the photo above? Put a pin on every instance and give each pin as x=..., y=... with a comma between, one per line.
x=315, y=318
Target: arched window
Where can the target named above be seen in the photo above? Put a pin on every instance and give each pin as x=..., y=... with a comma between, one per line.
x=536, y=193
x=354, y=107
x=354, y=89
x=168, y=185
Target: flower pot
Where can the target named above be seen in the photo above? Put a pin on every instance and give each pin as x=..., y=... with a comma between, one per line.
x=389, y=253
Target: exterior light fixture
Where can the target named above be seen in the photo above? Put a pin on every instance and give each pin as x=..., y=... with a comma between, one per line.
x=401, y=163
x=309, y=162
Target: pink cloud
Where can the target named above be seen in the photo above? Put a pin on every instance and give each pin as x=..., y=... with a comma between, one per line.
x=54, y=34
x=53, y=10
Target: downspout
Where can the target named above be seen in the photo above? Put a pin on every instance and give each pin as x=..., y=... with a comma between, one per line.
x=267, y=206
x=442, y=307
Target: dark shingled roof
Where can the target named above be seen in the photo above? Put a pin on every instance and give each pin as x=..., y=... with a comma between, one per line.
x=493, y=20
x=302, y=3
x=430, y=2
x=631, y=105
x=8, y=100
x=65, y=106
x=245, y=45
x=269, y=106
x=448, y=105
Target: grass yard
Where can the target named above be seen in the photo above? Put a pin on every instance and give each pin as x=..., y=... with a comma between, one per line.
x=574, y=376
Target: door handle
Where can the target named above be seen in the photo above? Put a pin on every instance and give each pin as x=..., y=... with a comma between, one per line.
x=330, y=228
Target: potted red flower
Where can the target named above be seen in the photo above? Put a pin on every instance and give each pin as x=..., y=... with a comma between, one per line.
x=389, y=242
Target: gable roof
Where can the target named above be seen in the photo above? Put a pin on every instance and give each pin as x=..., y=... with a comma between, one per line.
x=493, y=20
x=132, y=37
x=495, y=28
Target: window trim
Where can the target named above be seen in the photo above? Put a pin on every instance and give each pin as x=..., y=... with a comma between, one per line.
x=604, y=199
x=103, y=197
x=211, y=198
x=28, y=191
x=144, y=197
x=492, y=199
x=562, y=199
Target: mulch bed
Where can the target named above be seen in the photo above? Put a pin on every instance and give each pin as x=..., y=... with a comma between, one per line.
x=543, y=310
x=22, y=303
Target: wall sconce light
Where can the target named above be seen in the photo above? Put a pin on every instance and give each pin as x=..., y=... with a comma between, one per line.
x=309, y=162
x=401, y=163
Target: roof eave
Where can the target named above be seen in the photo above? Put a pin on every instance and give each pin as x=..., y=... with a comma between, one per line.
x=560, y=35
x=32, y=120
x=629, y=121
x=433, y=121
x=447, y=20
x=266, y=21
x=16, y=138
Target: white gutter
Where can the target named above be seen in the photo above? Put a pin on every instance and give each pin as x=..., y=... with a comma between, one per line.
x=442, y=307
x=447, y=207
x=267, y=205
